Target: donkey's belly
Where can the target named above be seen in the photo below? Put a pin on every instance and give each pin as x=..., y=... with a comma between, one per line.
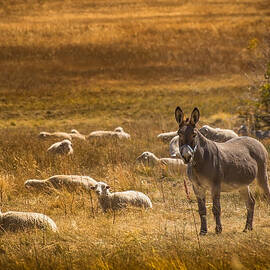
x=230, y=177
x=238, y=176
x=225, y=187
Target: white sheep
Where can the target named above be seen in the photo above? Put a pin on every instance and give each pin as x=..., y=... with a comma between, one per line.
x=121, y=134
x=214, y=134
x=69, y=182
x=174, y=147
x=61, y=148
x=54, y=135
x=167, y=136
x=75, y=134
x=118, y=133
x=118, y=200
x=19, y=221
x=172, y=164
x=217, y=134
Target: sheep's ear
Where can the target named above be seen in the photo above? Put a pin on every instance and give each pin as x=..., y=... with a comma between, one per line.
x=179, y=115
x=107, y=187
x=195, y=116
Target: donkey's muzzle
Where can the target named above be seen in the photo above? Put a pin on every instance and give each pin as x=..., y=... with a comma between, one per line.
x=186, y=153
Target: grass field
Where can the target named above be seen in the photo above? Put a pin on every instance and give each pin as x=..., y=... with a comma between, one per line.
x=99, y=64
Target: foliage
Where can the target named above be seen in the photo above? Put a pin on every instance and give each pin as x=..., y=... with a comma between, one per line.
x=256, y=108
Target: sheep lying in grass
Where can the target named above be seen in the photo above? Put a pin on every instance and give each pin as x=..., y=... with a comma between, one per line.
x=75, y=134
x=214, y=134
x=69, y=182
x=61, y=148
x=118, y=133
x=19, y=221
x=166, y=137
x=54, y=135
x=217, y=134
x=172, y=164
x=118, y=200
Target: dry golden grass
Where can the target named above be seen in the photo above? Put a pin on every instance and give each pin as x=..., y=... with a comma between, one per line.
x=100, y=64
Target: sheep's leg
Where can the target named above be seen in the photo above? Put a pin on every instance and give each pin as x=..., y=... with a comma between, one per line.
x=200, y=195
x=216, y=207
x=250, y=203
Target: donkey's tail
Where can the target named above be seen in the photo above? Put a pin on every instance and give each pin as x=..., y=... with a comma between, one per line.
x=262, y=178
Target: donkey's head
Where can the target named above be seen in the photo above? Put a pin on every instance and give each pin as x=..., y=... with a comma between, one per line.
x=187, y=133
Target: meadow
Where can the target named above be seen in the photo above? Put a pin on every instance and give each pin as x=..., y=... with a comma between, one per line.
x=98, y=64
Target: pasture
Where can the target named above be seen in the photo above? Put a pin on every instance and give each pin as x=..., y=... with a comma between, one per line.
x=98, y=64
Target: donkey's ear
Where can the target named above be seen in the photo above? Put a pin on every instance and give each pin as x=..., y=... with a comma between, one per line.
x=179, y=115
x=195, y=116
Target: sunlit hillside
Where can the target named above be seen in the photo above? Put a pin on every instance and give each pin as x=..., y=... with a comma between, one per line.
x=99, y=64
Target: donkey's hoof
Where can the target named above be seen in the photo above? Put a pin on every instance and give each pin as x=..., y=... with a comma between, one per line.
x=218, y=229
x=202, y=233
x=247, y=229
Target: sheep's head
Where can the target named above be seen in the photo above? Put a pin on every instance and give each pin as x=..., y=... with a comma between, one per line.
x=243, y=131
x=204, y=130
x=74, y=131
x=119, y=129
x=66, y=144
x=35, y=184
x=101, y=189
x=43, y=135
x=147, y=158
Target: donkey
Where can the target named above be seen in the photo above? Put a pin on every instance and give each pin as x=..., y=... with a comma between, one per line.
x=221, y=167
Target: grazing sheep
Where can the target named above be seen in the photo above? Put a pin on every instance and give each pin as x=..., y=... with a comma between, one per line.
x=217, y=134
x=118, y=200
x=118, y=133
x=69, y=182
x=172, y=164
x=214, y=134
x=19, y=221
x=54, y=135
x=61, y=148
x=259, y=134
x=166, y=137
x=75, y=134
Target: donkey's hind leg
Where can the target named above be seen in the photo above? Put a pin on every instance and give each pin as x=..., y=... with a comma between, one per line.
x=215, y=192
x=250, y=203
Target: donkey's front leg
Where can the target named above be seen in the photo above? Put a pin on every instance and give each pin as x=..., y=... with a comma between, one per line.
x=200, y=195
x=216, y=207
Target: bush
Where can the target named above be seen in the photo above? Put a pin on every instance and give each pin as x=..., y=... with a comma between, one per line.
x=255, y=109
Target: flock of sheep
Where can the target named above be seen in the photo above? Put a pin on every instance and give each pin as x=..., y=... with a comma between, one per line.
x=16, y=221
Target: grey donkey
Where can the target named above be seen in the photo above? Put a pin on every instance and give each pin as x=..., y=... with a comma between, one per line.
x=221, y=167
